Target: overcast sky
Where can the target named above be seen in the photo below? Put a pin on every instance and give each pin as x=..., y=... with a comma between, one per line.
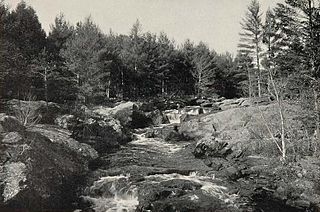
x=216, y=22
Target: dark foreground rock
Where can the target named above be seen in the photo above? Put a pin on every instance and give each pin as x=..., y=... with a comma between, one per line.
x=41, y=169
x=274, y=186
x=271, y=185
x=178, y=195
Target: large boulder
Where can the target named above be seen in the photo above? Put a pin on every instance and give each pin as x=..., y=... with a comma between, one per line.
x=130, y=116
x=123, y=112
x=66, y=121
x=211, y=147
x=167, y=133
x=41, y=169
x=181, y=195
x=10, y=124
x=45, y=113
x=157, y=118
x=104, y=134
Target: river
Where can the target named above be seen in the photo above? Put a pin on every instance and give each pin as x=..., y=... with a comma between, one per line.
x=151, y=174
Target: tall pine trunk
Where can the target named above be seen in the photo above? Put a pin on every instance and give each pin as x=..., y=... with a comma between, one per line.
x=258, y=66
x=250, y=81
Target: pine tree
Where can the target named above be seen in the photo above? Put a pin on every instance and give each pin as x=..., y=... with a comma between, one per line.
x=308, y=27
x=80, y=55
x=60, y=31
x=22, y=39
x=251, y=39
x=25, y=31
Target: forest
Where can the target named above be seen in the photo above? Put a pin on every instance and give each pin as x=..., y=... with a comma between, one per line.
x=83, y=63
x=242, y=132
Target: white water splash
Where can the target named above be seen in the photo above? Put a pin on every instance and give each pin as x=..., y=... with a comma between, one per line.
x=157, y=145
x=124, y=197
x=173, y=116
x=208, y=186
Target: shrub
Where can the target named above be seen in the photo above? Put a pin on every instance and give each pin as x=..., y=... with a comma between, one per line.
x=26, y=113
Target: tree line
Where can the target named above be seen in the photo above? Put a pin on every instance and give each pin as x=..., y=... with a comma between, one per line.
x=81, y=63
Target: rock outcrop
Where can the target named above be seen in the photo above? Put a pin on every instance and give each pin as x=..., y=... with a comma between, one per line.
x=130, y=116
x=66, y=121
x=41, y=168
x=10, y=124
x=103, y=133
x=210, y=147
x=168, y=133
x=241, y=125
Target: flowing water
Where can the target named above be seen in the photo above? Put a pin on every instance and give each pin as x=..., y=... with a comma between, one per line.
x=148, y=163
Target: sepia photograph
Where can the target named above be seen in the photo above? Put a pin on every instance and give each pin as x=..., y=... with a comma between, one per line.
x=159, y=106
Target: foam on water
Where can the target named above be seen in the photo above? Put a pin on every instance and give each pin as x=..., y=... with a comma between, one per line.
x=208, y=186
x=157, y=145
x=123, y=198
x=173, y=116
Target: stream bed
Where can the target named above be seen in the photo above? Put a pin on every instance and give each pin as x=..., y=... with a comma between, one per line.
x=151, y=174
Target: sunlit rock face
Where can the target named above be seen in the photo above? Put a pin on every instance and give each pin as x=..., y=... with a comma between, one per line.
x=175, y=116
x=131, y=116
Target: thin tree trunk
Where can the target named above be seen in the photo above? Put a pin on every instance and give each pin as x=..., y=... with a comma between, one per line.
x=249, y=79
x=282, y=119
x=108, y=89
x=258, y=67
x=283, y=142
x=46, y=86
x=316, y=108
x=122, y=84
x=199, y=84
x=162, y=87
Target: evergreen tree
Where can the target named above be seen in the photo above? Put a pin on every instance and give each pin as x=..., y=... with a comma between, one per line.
x=22, y=39
x=228, y=79
x=60, y=31
x=251, y=39
x=25, y=31
x=308, y=29
x=80, y=56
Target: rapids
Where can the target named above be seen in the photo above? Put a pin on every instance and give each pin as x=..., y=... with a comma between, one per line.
x=151, y=170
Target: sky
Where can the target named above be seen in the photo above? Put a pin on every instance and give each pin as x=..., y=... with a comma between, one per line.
x=215, y=22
